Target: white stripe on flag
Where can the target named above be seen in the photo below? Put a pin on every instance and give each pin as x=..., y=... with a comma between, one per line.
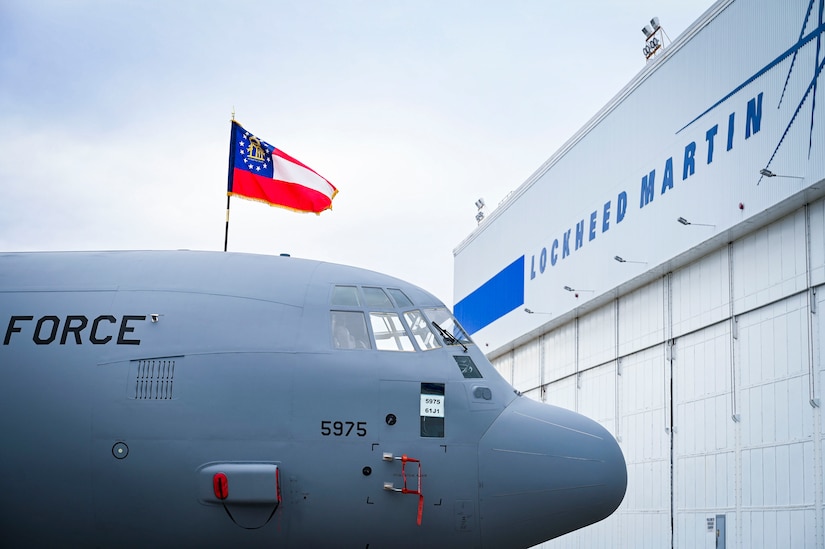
x=284, y=170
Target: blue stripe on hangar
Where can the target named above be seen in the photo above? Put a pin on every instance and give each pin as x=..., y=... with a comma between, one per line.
x=494, y=299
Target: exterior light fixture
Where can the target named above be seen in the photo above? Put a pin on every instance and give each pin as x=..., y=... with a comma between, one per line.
x=653, y=43
x=532, y=312
x=569, y=289
x=685, y=222
x=623, y=260
x=480, y=214
x=765, y=172
x=576, y=292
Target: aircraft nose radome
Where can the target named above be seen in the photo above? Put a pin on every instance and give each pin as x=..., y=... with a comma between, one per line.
x=545, y=471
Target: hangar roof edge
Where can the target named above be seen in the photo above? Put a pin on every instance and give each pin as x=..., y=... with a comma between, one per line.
x=634, y=83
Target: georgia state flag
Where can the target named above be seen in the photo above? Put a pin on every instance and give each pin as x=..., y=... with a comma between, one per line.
x=259, y=171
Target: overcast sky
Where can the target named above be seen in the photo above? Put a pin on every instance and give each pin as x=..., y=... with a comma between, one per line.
x=115, y=131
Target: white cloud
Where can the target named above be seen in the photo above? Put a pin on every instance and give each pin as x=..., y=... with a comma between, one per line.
x=117, y=117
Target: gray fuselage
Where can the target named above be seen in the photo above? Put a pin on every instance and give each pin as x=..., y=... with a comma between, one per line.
x=205, y=399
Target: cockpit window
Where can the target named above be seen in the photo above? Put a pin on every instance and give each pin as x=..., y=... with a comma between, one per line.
x=345, y=296
x=421, y=331
x=389, y=332
x=455, y=334
x=375, y=297
x=401, y=299
x=373, y=317
x=349, y=330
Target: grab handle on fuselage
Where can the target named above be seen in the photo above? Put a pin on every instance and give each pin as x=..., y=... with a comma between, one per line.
x=404, y=459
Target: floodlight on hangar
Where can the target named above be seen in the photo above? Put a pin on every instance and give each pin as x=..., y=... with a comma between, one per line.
x=653, y=43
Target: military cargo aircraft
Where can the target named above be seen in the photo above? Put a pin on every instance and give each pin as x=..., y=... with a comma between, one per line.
x=205, y=399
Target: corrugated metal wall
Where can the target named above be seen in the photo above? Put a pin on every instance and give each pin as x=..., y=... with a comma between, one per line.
x=715, y=372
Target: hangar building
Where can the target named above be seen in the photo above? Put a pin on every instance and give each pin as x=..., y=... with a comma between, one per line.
x=663, y=274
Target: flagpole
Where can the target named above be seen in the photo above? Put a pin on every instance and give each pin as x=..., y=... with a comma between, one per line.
x=229, y=196
x=226, y=233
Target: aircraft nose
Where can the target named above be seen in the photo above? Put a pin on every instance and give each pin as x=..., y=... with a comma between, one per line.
x=545, y=471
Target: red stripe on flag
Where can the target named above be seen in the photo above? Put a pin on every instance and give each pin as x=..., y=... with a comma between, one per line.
x=279, y=193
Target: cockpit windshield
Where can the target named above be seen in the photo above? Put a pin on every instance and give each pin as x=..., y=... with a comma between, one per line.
x=389, y=333
x=368, y=317
x=453, y=333
x=422, y=333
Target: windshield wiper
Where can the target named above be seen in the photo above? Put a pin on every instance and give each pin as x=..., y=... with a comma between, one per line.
x=448, y=337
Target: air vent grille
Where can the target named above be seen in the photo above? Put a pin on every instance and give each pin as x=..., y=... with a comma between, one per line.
x=155, y=378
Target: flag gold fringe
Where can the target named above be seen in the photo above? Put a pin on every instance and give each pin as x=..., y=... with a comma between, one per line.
x=267, y=202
